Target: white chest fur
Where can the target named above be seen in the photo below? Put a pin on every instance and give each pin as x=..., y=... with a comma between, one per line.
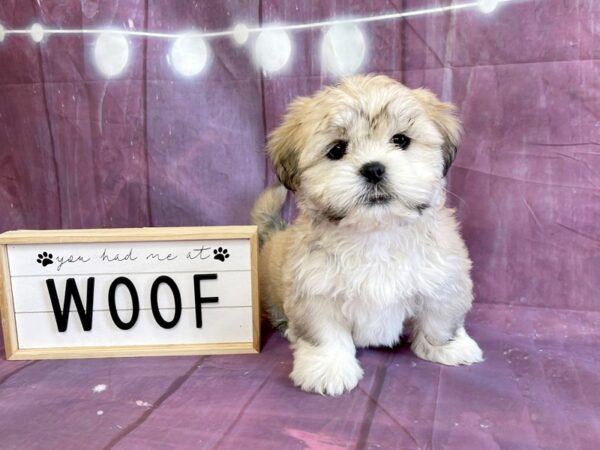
x=375, y=278
x=377, y=268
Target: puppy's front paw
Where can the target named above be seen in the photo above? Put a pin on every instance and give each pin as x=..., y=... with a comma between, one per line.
x=460, y=350
x=325, y=370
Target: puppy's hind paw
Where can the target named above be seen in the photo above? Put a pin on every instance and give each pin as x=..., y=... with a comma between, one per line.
x=461, y=350
x=323, y=371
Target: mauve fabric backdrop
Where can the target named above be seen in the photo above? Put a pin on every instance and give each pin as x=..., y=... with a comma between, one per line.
x=150, y=148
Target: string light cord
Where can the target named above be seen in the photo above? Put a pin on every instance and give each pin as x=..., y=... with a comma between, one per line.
x=288, y=27
x=343, y=48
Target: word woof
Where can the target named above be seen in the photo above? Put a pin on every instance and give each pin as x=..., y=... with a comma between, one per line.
x=86, y=311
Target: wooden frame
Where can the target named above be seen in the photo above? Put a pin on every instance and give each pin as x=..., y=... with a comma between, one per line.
x=9, y=328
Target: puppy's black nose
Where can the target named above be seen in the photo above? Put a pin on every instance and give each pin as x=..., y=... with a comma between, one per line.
x=373, y=172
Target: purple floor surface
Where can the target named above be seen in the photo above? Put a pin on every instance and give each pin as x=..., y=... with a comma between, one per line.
x=538, y=388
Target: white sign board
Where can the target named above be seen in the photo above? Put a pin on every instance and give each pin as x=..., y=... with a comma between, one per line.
x=129, y=292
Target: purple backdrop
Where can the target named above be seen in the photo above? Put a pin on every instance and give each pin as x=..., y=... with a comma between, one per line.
x=150, y=148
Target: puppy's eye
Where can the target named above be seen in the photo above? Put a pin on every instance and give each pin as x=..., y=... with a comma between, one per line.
x=401, y=141
x=337, y=150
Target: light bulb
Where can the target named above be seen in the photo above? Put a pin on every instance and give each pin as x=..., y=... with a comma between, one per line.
x=37, y=32
x=240, y=34
x=111, y=53
x=487, y=6
x=272, y=50
x=343, y=49
x=189, y=55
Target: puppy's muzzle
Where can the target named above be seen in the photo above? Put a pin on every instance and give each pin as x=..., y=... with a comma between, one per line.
x=373, y=172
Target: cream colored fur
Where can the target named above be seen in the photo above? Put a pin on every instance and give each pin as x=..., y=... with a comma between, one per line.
x=351, y=273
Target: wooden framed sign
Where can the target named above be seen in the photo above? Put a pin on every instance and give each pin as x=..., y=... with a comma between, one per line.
x=129, y=292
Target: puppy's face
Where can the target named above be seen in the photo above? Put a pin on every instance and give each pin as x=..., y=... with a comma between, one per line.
x=365, y=151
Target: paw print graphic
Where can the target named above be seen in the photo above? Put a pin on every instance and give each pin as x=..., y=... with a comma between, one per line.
x=221, y=254
x=45, y=259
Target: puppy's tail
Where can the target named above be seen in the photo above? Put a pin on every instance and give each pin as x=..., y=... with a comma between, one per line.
x=266, y=213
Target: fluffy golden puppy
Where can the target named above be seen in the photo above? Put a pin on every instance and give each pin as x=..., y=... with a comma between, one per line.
x=373, y=247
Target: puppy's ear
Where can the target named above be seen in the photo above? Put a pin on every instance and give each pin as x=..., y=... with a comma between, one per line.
x=284, y=144
x=444, y=117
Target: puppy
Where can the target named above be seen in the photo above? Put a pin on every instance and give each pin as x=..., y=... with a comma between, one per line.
x=374, y=247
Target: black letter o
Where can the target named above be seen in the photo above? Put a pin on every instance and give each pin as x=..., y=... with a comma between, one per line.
x=154, y=301
x=135, y=303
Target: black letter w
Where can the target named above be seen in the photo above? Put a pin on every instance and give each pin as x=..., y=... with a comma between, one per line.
x=62, y=316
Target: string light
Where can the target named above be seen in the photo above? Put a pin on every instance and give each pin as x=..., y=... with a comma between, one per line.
x=343, y=47
x=272, y=50
x=487, y=6
x=37, y=32
x=189, y=55
x=241, y=33
x=111, y=53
